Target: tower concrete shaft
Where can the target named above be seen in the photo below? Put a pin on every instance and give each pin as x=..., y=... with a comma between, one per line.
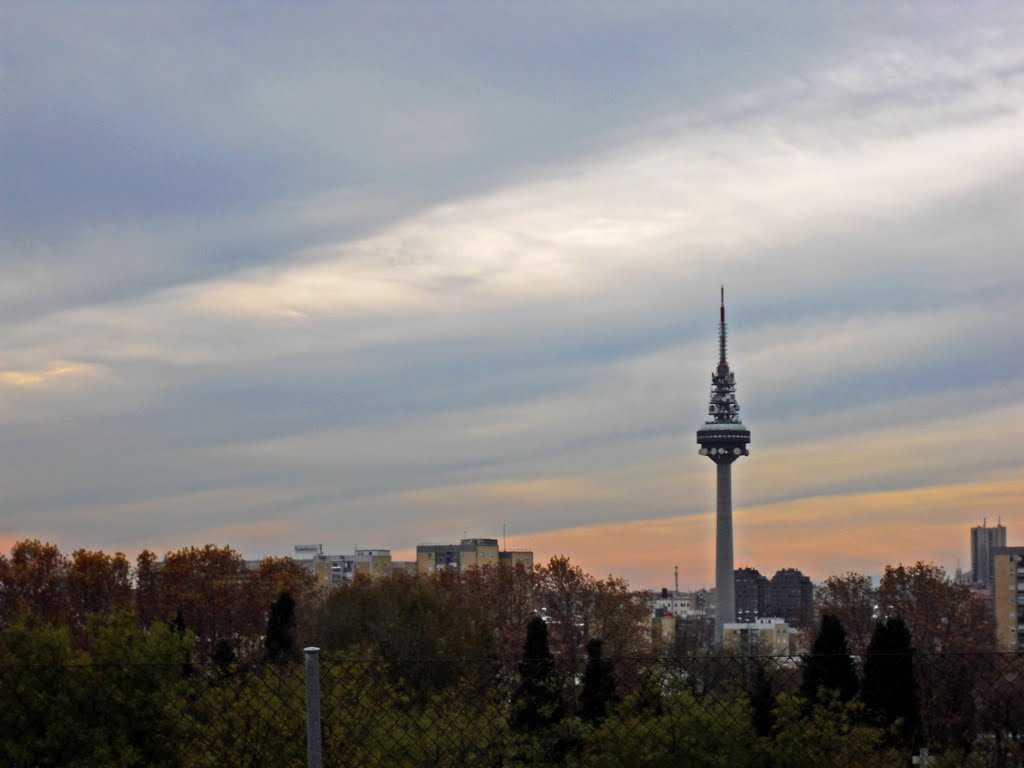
x=723, y=439
x=725, y=585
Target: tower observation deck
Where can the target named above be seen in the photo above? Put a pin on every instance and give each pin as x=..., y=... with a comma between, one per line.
x=723, y=439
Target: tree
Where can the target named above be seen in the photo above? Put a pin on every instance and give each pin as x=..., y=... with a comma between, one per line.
x=146, y=596
x=941, y=616
x=537, y=702
x=223, y=655
x=831, y=733
x=829, y=664
x=889, y=691
x=35, y=580
x=496, y=604
x=580, y=607
x=104, y=706
x=762, y=700
x=482, y=613
x=97, y=584
x=598, y=694
x=217, y=595
x=280, y=638
x=852, y=599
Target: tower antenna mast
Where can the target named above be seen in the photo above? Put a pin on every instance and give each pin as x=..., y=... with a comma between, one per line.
x=723, y=439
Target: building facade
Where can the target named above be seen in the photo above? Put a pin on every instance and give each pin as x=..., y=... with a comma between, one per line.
x=790, y=596
x=515, y=557
x=768, y=636
x=751, y=595
x=677, y=603
x=333, y=570
x=1008, y=596
x=468, y=553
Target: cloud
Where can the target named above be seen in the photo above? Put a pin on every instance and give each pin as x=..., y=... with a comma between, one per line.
x=54, y=372
x=378, y=306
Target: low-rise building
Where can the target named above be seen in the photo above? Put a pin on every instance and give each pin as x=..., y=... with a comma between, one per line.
x=332, y=570
x=468, y=553
x=767, y=636
x=514, y=557
x=682, y=604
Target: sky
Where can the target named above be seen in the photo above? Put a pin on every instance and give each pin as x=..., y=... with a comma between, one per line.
x=373, y=275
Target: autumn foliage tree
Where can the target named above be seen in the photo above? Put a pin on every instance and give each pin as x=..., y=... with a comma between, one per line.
x=208, y=590
x=941, y=615
x=850, y=597
x=34, y=580
x=97, y=584
x=483, y=613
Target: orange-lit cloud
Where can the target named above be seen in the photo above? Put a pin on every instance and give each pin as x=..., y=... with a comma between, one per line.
x=55, y=371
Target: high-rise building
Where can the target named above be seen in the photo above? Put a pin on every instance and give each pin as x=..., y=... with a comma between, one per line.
x=1008, y=596
x=983, y=541
x=723, y=439
x=791, y=597
x=751, y=595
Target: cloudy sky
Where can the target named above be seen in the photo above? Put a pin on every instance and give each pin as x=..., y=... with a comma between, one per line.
x=381, y=274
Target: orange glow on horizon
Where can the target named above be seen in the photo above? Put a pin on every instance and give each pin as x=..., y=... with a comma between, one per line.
x=821, y=536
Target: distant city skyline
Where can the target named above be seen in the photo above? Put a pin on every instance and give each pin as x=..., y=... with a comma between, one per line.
x=374, y=276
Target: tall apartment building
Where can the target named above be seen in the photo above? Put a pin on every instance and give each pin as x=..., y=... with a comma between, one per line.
x=751, y=595
x=468, y=553
x=791, y=597
x=984, y=541
x=1008, y=596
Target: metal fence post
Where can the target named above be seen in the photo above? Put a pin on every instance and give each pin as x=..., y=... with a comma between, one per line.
x=313, y=756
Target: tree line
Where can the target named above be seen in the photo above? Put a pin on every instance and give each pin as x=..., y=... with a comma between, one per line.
x=234, y=610
x=482, y=612
x=105, y=661
x=941, y=615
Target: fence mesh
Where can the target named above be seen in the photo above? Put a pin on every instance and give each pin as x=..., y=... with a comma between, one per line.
x=964, y=709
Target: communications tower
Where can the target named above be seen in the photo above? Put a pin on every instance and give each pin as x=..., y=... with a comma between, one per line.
x=723, y=439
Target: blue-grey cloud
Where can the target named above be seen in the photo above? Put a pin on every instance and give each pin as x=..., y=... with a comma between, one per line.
x=367, y=272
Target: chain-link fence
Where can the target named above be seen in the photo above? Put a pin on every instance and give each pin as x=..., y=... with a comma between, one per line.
x=938, y=710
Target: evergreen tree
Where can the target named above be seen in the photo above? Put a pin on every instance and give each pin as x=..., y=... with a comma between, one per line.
x=890, y=690
x=762, y=700
x=177, y=624
x=537, y=701
x=223, y=655
x=829, y=664
x=280, y=638
x=598, y=685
